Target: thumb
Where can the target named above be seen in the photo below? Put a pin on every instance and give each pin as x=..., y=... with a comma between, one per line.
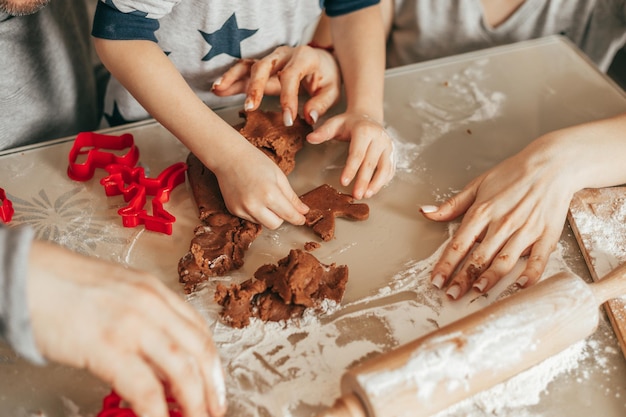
x=318, y=104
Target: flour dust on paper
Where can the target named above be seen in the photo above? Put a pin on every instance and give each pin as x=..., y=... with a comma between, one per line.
x=293, y=369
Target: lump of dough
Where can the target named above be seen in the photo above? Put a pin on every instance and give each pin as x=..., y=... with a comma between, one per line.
x=282, y=291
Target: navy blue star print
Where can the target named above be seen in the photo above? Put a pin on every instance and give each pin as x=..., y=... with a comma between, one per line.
x=115, y=118
x=227, y=39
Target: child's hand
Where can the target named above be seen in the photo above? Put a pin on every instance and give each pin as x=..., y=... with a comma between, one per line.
x=255, y=189
x=282, y=73
x=370, y=157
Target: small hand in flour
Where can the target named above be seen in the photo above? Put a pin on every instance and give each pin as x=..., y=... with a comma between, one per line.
x=510, y=211
x=125, y=327
x=370, y=155
x=283, y=72
x=257, y=190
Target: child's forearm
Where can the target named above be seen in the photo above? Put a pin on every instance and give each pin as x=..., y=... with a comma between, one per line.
x=146, y=72
x=359, y=43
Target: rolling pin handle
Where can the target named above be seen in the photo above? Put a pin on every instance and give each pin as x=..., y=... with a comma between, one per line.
x=613, y=285
x=346, y=406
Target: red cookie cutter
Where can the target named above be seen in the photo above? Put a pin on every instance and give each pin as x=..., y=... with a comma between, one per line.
x=6, y=207
x=112, y=407
x=135, y=187
x=92, y=145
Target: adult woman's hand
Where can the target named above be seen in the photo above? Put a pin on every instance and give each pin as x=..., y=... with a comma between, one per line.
x=286, y=72
x=519, y=207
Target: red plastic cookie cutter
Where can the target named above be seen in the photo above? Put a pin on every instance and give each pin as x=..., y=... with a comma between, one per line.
x=6, y=207
x=112, y=407
x=133, y=185
x=93, y=145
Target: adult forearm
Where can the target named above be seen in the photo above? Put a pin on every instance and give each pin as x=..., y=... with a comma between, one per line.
x=593, y=153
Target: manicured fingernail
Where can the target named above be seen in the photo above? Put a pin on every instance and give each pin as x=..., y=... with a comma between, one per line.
x=248, y=105
x=481, y=284
x=454, y=291
x=438, y=281
x=522, y=281
x=287, y=119
x=314, y=115
x=429, y=209
x=217, y=82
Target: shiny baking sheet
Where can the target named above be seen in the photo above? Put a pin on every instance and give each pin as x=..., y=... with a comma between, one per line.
x=451, y=119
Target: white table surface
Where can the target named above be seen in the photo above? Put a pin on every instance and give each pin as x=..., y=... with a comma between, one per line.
x=452, y=119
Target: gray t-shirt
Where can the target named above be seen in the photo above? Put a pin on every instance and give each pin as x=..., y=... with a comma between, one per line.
x=48, y=78
x=428, y=29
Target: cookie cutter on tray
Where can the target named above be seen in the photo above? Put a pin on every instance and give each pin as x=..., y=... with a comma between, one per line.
x=6, y=207
x=125, y=178
x=112, y=407
x=134, y=186
x=92, y=145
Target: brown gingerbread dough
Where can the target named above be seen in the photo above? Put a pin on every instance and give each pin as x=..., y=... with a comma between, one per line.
x=266, y=131
x=326, y=203
x=282, y=291
x=311, y=246
x=220, y=241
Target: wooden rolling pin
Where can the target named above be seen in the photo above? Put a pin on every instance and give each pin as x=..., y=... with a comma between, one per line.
x=479, y=351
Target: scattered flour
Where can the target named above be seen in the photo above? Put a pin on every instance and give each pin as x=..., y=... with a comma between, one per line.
x=461, y=99
x=294, y=369
x=600, y=217
x=603, y=229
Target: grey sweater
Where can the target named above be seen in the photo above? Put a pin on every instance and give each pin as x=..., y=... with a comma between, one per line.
x=48, y=89
x=428, y=29
x=15, y=327
x=48, y=82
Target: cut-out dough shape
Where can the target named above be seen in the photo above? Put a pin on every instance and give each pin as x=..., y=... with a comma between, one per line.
x=326, y=203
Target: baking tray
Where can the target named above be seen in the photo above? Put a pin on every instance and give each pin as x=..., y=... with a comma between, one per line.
x=451, y=119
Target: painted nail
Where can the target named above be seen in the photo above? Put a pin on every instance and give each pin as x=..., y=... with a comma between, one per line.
x=217, y=82
x=287, y=119
x=314, y=115
x=429, y=209
x=522, y=281
x=454, y=291
x=438, y=281
x=481, y=284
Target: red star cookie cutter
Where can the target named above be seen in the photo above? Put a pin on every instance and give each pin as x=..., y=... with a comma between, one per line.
x=134, y=186
x=6, y=207
x=93, y=145
x=112, y=407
